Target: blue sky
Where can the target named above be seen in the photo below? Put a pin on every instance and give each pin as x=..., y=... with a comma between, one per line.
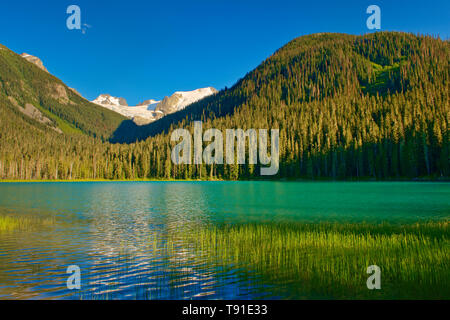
x=149, y=49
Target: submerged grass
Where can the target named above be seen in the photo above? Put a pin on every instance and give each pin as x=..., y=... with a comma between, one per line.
x=329, y=260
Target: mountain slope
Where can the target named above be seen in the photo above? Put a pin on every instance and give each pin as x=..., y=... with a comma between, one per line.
x=347, y=107
x=373, y=106
x=315, y=67
x=35, y=60
x=24, y=83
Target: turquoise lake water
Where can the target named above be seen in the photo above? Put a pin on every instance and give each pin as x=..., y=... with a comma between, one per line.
x=106, y=228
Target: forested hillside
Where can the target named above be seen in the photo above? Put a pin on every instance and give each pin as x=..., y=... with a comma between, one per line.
x=22, y=83
x=347, y=107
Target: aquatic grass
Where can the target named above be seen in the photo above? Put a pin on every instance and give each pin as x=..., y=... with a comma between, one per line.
x=13, y=223
x=289, y=261
x=170, y=280
x=329, y=260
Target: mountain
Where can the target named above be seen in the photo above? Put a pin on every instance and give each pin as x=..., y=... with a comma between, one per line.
x=151, y=110
x=26, y=87
x=141, y=114
x=347, y=107
x=34, y=60
x=106, y=99
x=180, y=99
x=38, y=62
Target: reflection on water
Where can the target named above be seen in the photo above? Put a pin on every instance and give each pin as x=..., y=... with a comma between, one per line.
x=127, y=237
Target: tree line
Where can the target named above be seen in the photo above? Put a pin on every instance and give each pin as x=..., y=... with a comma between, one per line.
x=347, y=107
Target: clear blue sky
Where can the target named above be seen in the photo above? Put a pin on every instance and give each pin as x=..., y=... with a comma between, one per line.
x=149, y=49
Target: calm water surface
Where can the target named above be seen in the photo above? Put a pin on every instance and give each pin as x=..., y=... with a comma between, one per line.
x=109, y=231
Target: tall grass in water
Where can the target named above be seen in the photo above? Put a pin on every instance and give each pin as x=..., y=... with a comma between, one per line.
x=288, y=261
x=13, y=223
x=330, y=260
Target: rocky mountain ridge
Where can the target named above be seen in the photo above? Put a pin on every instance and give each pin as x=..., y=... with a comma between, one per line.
x=34, y=60
x=151, y=110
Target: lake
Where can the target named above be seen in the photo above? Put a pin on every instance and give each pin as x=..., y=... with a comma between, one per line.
x=153, y=240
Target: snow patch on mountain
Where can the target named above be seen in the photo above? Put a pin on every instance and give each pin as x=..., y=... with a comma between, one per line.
x=108, y=100
x=181, y=99
x=119, y=105
x=189, y=97
x=151, y=110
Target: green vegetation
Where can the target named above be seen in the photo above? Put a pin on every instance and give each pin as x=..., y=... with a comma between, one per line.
x=330, y=260
x=299, y=261
x=26, y=83
x=13, y=223
x=347, y=107
x=383, y=79
x=99, y=180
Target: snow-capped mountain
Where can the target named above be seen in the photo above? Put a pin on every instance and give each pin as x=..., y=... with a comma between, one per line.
x=108, y=100
x=145, y=110
x=180, y=99
x=151, y=110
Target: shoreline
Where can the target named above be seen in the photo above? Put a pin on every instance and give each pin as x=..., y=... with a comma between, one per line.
x=221, y=180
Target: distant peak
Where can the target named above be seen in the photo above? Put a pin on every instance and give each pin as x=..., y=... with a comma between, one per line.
x=181, y=99
x=107, y=99
x=151, y=109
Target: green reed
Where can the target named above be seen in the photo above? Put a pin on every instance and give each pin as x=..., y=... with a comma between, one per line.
x=297, y=260
x=13, y=223
x=329, y=260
